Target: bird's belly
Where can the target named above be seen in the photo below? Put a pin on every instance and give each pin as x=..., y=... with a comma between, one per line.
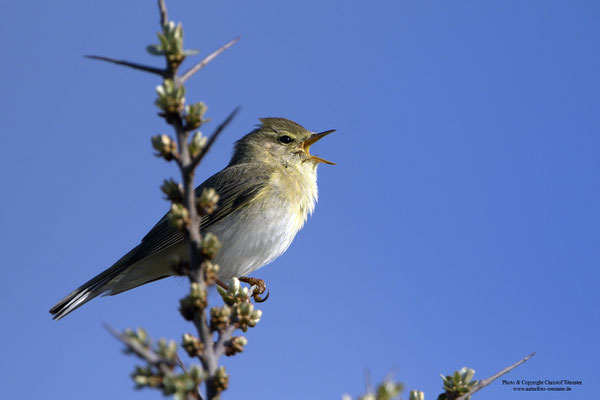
x=252, y=237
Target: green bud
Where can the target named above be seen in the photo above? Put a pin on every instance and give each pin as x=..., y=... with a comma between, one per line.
x=171, y=97
x=466, y=374
x=140, y=380
x=459, y=383
x=139, y=335
x=255, y=316
x=221, y=379
x=143, y=376
x=226, y=296
x=171, y=45
x=416, y=395
x=245, y=309
x=194, y=302
x=166, y=147
x=207, y=202
x=236, y=293
x=235, y=345
x=192, y=345
x=211, y=272
x=210, y=245
x=219, y=317
x=197, y=143
x=196, y=373
x=169, y=384
x=167, y=350
x=179, y=216
x=173, y=190
x=194, y=114
x=246, y=316
x=234, y=285
x=388, y=390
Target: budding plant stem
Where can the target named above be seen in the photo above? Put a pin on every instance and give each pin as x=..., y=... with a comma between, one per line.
x=186, y=216
x=187, y=165
x=194, y=237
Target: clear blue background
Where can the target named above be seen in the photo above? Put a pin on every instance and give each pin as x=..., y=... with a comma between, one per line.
x=460, y=226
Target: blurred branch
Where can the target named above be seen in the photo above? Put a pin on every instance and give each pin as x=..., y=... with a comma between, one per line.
x=164, y=16
x=485, y=382
x=460, y=385
x=143, y=352
x=129, y=64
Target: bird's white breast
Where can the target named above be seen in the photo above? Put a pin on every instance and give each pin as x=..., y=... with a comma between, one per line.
x=261, y=231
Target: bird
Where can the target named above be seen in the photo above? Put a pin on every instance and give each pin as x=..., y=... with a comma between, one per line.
x=267, y=191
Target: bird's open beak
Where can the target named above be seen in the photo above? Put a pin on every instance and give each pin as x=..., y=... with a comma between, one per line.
x=313, y=139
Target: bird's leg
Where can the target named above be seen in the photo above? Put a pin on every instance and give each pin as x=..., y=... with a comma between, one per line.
x=260, y=288
x=222, y=284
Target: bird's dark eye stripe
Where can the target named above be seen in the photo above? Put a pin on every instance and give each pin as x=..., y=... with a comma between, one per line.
x=285, y=139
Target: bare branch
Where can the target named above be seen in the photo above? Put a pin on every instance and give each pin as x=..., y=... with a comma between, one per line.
x=141, y=67
x=188, y=74
x=164, y=17
x=485, y=382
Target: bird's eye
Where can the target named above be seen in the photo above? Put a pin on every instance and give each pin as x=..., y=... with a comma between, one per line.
x=285, y=139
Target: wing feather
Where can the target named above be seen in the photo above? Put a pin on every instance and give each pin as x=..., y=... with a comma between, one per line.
x=236, y=185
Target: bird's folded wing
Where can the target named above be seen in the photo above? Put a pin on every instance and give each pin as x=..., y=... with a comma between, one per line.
x=236, y=186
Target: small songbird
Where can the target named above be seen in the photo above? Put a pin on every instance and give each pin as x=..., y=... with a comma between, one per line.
x=267, y=191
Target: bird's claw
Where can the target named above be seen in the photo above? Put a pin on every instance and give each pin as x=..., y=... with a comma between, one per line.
x=259, y=288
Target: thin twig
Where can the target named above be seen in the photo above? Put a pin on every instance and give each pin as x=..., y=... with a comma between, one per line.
x=188, y=74
x=164, y=17
x=192, y=234
x=147, y=68
x=196, y=160
x=483, y=383
x=143, y=352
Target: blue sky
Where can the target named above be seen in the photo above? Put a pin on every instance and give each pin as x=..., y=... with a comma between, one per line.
x=460, y=226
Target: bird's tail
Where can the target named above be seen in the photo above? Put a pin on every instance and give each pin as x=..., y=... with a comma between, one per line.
x=91, y=289
x=106, y=281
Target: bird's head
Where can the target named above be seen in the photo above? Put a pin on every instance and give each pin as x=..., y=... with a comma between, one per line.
x=279, y=140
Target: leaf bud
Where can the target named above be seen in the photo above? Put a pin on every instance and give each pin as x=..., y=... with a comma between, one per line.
x=211, y=272
x=194, y=302
x=235, y=345
x=171, y=97
x=192, y=345
x=166, y=147
x=193, y=115
x=416, y=395
x=197, y=143
x=221, y=379
x=173, y=190
x=219, y=317
x=207, y=202
x=179, y=216
x=210, y=245
x=196, y=373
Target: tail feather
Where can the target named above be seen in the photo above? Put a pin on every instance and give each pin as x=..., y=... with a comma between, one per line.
x=92, y=288
x=134, y=269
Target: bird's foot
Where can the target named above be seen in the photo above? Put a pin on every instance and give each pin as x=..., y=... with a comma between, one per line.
x=259, y=288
